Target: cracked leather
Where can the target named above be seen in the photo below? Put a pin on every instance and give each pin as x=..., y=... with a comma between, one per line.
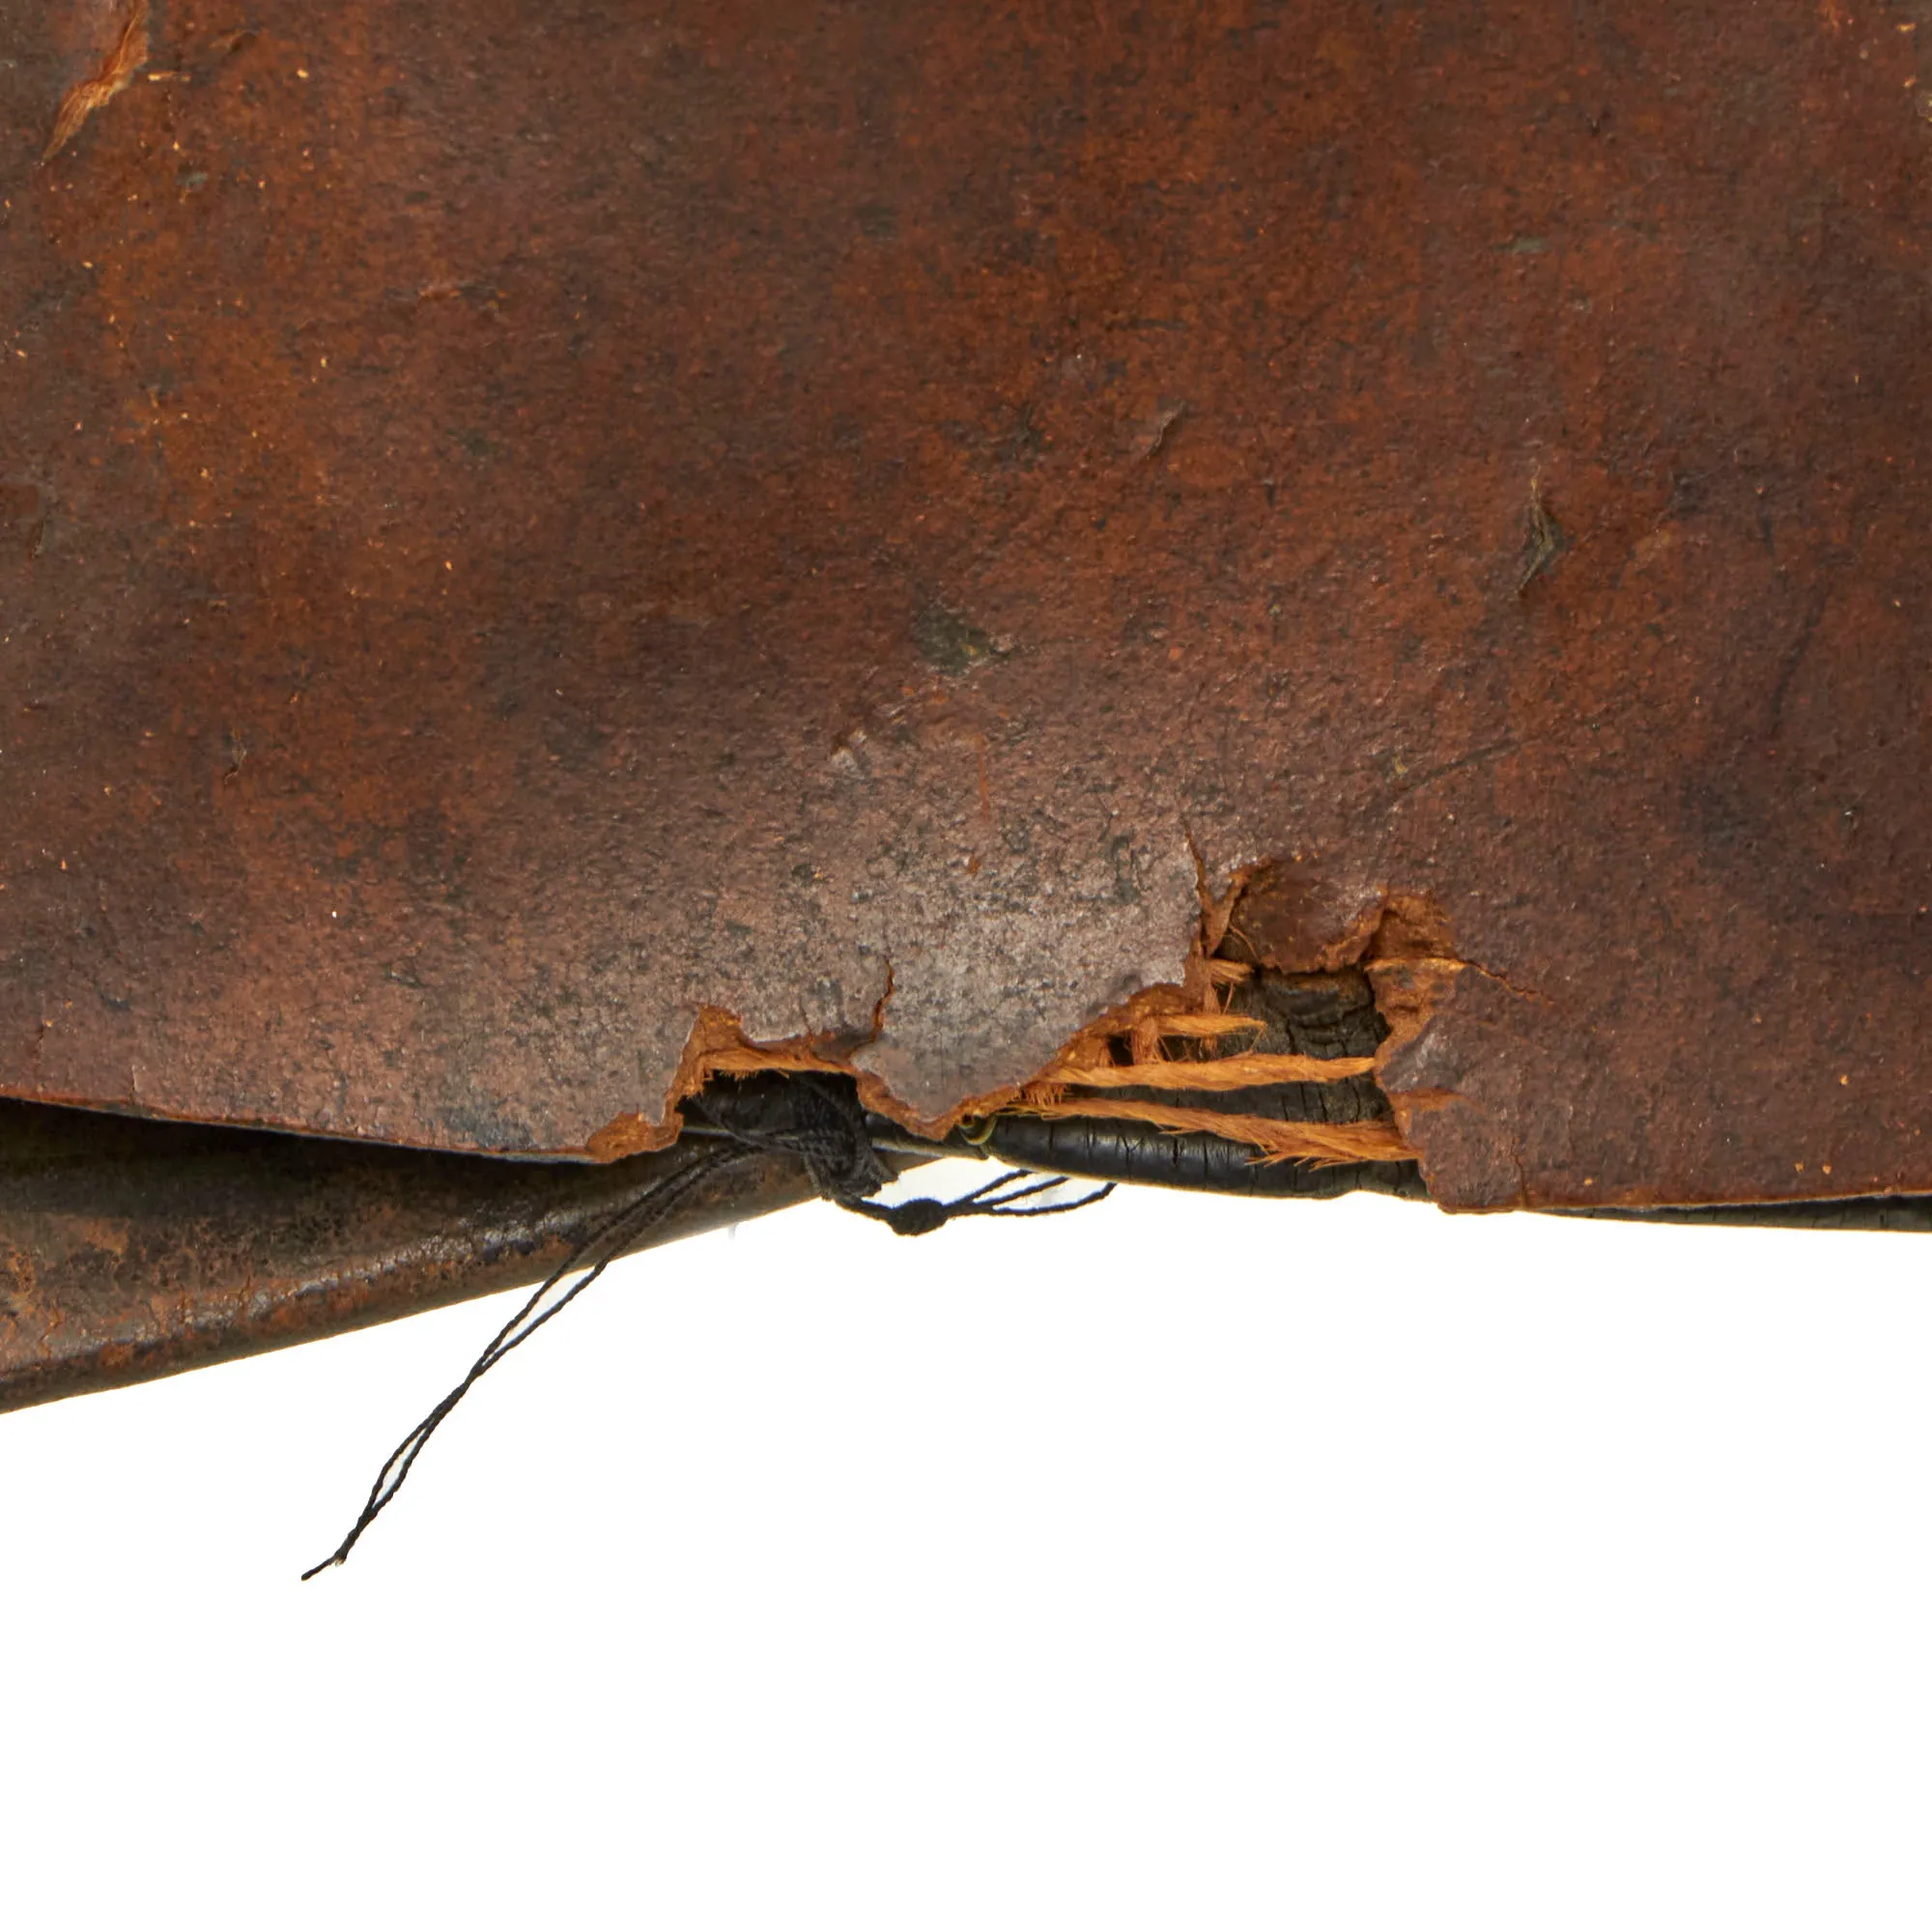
x=518, y=522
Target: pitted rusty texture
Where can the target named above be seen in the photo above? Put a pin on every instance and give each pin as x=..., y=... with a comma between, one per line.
x=518, y=522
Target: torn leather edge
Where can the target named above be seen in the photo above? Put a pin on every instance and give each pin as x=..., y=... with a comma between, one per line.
x=1195, y=1003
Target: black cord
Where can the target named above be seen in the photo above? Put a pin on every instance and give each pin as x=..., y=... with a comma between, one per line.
x=817, y=1118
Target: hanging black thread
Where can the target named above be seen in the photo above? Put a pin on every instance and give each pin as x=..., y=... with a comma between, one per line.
x=815, y=1118
x=616, y=1235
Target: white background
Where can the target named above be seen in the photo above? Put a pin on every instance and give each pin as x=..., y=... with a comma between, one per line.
x=1183, y=1563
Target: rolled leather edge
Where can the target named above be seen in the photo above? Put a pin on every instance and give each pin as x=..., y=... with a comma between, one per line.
x=1865, y=1214
x=131, y=1249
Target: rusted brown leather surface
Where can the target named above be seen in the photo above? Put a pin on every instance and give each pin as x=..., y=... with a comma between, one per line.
x=523, y=520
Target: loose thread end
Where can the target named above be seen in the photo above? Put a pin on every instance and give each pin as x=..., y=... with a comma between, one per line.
x=829, y=1135
x=656, y=1203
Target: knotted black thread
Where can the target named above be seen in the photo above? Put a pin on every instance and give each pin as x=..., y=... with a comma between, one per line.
x=815, y=1118
x=812, y=1117
x=995, y=1198
x=818, y=1119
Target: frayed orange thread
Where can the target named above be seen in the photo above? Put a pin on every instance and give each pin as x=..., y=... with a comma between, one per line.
x=124, y=60
x=1228, y=1074
x=1180, y=1026
x=1274, y=1140
x=744, y=1059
